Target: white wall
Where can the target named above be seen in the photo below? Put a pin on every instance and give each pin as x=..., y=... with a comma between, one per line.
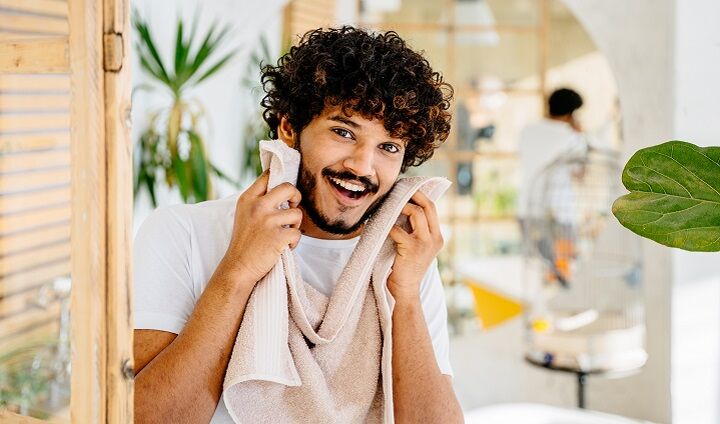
x=696, y=276
x=637, y=39
x=225, y=101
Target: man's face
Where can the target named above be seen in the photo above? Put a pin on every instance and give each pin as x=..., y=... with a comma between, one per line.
x=348, y=166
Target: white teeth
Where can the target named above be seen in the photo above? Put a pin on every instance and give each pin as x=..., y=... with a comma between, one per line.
x=348, y=186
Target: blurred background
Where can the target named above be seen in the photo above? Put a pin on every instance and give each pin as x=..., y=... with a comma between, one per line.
x=551, y=306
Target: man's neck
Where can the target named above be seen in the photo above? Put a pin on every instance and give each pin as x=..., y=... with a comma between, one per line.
x=566, y=119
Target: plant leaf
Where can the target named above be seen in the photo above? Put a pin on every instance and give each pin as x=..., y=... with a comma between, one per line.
x=201, y=177
x=223, y=176
x=216, y=67
x=180, y=51
x=674, y=196
x=182, y=177
x=154, y=72
x=148, y=43
x=150, y=185
x=202, y=53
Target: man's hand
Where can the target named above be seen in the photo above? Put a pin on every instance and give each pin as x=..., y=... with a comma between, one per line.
x=261, y=231
x=415, y=249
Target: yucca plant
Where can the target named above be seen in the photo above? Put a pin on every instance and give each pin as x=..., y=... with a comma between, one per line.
x=256, y=128
x=172, y=145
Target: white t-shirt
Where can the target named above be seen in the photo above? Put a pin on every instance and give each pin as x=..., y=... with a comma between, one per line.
x=540, y=144
x=177, y=249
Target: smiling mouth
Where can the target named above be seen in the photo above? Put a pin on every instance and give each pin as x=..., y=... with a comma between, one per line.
x=347, y=189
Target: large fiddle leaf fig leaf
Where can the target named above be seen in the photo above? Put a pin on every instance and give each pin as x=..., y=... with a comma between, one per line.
x=674, y=196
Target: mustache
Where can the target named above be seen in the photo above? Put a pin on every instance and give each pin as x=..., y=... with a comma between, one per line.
x=347, y=175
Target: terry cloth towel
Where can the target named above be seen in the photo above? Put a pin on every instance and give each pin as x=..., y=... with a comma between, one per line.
x=302, y=357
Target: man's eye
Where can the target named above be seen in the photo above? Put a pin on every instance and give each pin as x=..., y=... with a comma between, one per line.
x=343, y=132
x=391, y=148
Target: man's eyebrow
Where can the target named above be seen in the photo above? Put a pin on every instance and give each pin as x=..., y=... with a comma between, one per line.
x=345, y=120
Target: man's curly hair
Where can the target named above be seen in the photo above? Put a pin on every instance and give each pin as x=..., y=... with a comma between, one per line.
x=375, y=75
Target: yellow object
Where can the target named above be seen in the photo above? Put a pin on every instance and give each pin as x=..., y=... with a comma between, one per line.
x=493, y=307
x=540, y=325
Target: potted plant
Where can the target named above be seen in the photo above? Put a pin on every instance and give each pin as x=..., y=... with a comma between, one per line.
x=674, y=196
x=172, y=144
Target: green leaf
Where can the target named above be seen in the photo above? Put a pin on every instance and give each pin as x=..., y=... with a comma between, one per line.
x=674, y=196
x=203, y=52
x=201, y=177
x=183, y=177
x=154, y=72
x=180, y=50
x=148, y=43
x=150, y=185
x=208, y=46
x=216, y=67
x=223, y=176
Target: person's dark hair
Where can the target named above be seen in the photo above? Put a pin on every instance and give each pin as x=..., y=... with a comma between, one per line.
x=564, y=101
x=375, y=75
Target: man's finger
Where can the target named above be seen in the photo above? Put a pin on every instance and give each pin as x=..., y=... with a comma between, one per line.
x=428, y=206
x=259, y=187
x=284, y=192
x=292, y=235
x=416, y=215
x=398, y=234
x=290, y=218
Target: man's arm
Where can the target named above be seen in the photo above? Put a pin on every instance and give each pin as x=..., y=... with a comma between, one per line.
x=420, y=392
x=179, y=379
x=183, y=383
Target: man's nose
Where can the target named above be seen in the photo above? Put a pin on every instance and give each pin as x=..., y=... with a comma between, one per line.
x=360, y=161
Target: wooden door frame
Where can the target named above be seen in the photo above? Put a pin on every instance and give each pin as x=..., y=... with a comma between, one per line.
x=96, y=56
x=102, y=199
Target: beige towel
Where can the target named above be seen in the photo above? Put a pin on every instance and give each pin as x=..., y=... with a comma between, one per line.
x=302, y=357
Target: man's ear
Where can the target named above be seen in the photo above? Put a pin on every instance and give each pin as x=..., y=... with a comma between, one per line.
x=285, y=132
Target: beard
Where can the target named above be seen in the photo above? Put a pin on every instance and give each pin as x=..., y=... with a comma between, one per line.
x=306, y=185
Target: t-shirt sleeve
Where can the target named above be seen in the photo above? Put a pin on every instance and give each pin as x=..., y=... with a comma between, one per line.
x=432, y=297
x=163, y=289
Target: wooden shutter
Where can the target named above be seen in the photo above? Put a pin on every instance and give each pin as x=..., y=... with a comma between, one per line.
x=34, y=167
x=66, y=189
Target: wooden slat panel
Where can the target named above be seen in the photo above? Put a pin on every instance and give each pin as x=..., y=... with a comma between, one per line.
x=32, y=258
x=33, y=24
x=25, y=103
x=304, y=15
x=46, y=55
x=27, y=240
x=41, y=332
x=15, y=183
x=322, y=7
x=33, y=200
x=15, y=35
x=34, y=160
x=12, y=418
x=27, y=319
x=16, y=282
x=30, y=142
x=26, y=221
x=21, y=302
x=34, y=83
x=45, y=7
x=319, y=8
x=34, y=122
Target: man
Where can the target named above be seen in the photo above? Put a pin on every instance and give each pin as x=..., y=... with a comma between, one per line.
x=541, y=145
x=544, y=142
x=360, y=108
